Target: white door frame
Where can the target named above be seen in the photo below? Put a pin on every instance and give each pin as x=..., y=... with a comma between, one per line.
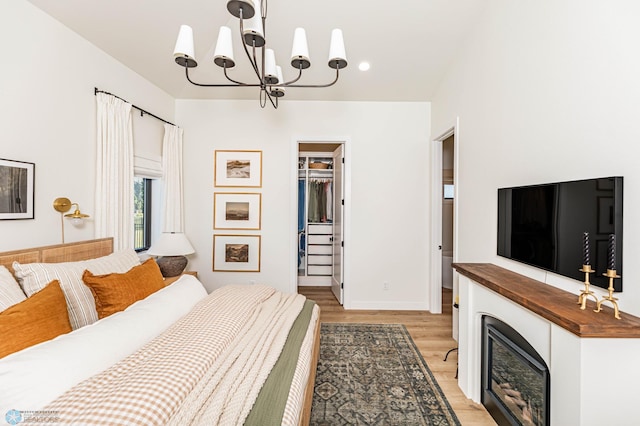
x=346, y=219
x=436, y=213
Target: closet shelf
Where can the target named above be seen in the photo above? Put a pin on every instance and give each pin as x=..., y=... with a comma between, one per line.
x=316, y=202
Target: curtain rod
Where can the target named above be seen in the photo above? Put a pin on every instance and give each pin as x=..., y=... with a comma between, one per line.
x=142, y=111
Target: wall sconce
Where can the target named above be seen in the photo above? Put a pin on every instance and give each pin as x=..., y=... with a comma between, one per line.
x=63, y=205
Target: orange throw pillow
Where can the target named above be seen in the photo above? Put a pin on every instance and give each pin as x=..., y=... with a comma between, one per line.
x=41, y=317
x=115, y=292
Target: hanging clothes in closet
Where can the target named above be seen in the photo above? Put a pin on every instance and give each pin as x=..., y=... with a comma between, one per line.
x=301, y=233
x=320, y=209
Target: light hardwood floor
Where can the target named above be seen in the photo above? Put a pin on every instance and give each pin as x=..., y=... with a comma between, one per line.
x=431, y=334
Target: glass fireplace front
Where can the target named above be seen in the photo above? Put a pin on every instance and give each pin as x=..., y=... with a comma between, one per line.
x=515, y=379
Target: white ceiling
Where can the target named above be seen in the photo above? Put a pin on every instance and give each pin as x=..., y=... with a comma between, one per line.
x=409, y=43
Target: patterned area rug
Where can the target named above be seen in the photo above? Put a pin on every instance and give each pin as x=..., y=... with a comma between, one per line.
x=373, y=374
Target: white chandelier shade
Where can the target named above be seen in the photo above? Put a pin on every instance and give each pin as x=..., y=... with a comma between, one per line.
x=253, y=28
x=252, y=16
x=270, y=71
x=224, y=49
x=184, y=52
x=278, y=91
x=246, y=7
x=337, y=54
x=300, y=50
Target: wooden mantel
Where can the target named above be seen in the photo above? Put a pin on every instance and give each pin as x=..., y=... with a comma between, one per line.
x=553, y=304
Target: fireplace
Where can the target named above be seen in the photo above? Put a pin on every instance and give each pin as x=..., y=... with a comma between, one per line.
x=515, y=378
x=573, y=343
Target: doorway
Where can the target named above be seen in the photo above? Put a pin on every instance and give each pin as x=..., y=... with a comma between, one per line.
x=448, y=189
x=320, y=216
x=444, y=154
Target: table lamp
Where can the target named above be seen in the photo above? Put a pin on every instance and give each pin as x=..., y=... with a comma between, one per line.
x=172, y=248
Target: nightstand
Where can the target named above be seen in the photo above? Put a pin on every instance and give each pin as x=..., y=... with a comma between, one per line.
x=169, y=280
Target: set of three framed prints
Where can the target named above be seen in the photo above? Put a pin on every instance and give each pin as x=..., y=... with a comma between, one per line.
x=237, y=211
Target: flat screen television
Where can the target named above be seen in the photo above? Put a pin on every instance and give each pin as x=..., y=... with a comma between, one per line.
x=543, y=226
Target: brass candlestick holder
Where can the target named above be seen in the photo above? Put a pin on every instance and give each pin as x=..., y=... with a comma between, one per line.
x=611, y=274
x=586, y=293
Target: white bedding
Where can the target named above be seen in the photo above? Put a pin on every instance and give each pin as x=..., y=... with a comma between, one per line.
x=33, y=377
x=206, y=369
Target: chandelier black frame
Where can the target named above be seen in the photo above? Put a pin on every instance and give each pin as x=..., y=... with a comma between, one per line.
x=253, y=33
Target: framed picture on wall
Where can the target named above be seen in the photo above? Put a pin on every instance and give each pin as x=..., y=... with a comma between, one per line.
x=242, y=169
x=236, y=210
x=236, y=253
x=16, y=189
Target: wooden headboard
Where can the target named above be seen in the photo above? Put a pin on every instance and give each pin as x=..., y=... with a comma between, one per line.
x=70, y=252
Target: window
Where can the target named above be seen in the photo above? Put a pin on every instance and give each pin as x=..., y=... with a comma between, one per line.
x=142, y=213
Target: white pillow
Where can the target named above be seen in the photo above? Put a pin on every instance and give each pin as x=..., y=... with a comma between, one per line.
x=35, y=376
x=33, y=277
x=10, y=291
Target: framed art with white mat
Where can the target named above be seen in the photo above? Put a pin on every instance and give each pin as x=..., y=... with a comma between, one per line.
x=242, y=169
x=16, y=189
x=237, y=210
x=236, y=253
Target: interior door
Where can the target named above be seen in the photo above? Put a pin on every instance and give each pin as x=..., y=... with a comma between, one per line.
x=337, y=284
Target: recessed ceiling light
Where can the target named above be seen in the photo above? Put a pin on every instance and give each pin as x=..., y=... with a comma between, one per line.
x=364, y=66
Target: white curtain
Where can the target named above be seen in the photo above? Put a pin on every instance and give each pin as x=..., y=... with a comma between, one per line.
x=114, y=171
x=173, y=220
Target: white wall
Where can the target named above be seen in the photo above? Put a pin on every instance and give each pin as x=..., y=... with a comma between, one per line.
x=47, y=115
x=389, y=189
x=47, y=107
x=546, y=91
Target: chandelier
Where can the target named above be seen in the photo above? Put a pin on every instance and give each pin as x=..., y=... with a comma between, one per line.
x=252, y=15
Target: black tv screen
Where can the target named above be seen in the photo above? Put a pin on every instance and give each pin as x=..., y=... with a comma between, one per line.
x=543, y=226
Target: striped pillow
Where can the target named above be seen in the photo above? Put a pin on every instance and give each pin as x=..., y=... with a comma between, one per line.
x=80, y=303
x=10, y=291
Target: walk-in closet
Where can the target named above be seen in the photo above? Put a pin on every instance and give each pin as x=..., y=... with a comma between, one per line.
x=320, y=211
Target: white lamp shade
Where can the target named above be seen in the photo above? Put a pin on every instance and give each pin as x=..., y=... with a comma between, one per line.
x=278, y=91
x=184, y=44
x=279, y=74
x=300, y=50
x=337, y=54
x=171, y=244
x=223, y=55
x=253, y=28
x=248, y=8
x=270, y=70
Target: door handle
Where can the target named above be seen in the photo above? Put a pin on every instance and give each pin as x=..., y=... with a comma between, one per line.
x=439, y=247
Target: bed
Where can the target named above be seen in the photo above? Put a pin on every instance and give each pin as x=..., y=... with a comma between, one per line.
x=145, y=352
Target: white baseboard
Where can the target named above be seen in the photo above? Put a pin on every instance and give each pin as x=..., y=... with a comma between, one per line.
x=389, y=306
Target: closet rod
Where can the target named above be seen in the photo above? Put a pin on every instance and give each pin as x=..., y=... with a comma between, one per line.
x=142, y=111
